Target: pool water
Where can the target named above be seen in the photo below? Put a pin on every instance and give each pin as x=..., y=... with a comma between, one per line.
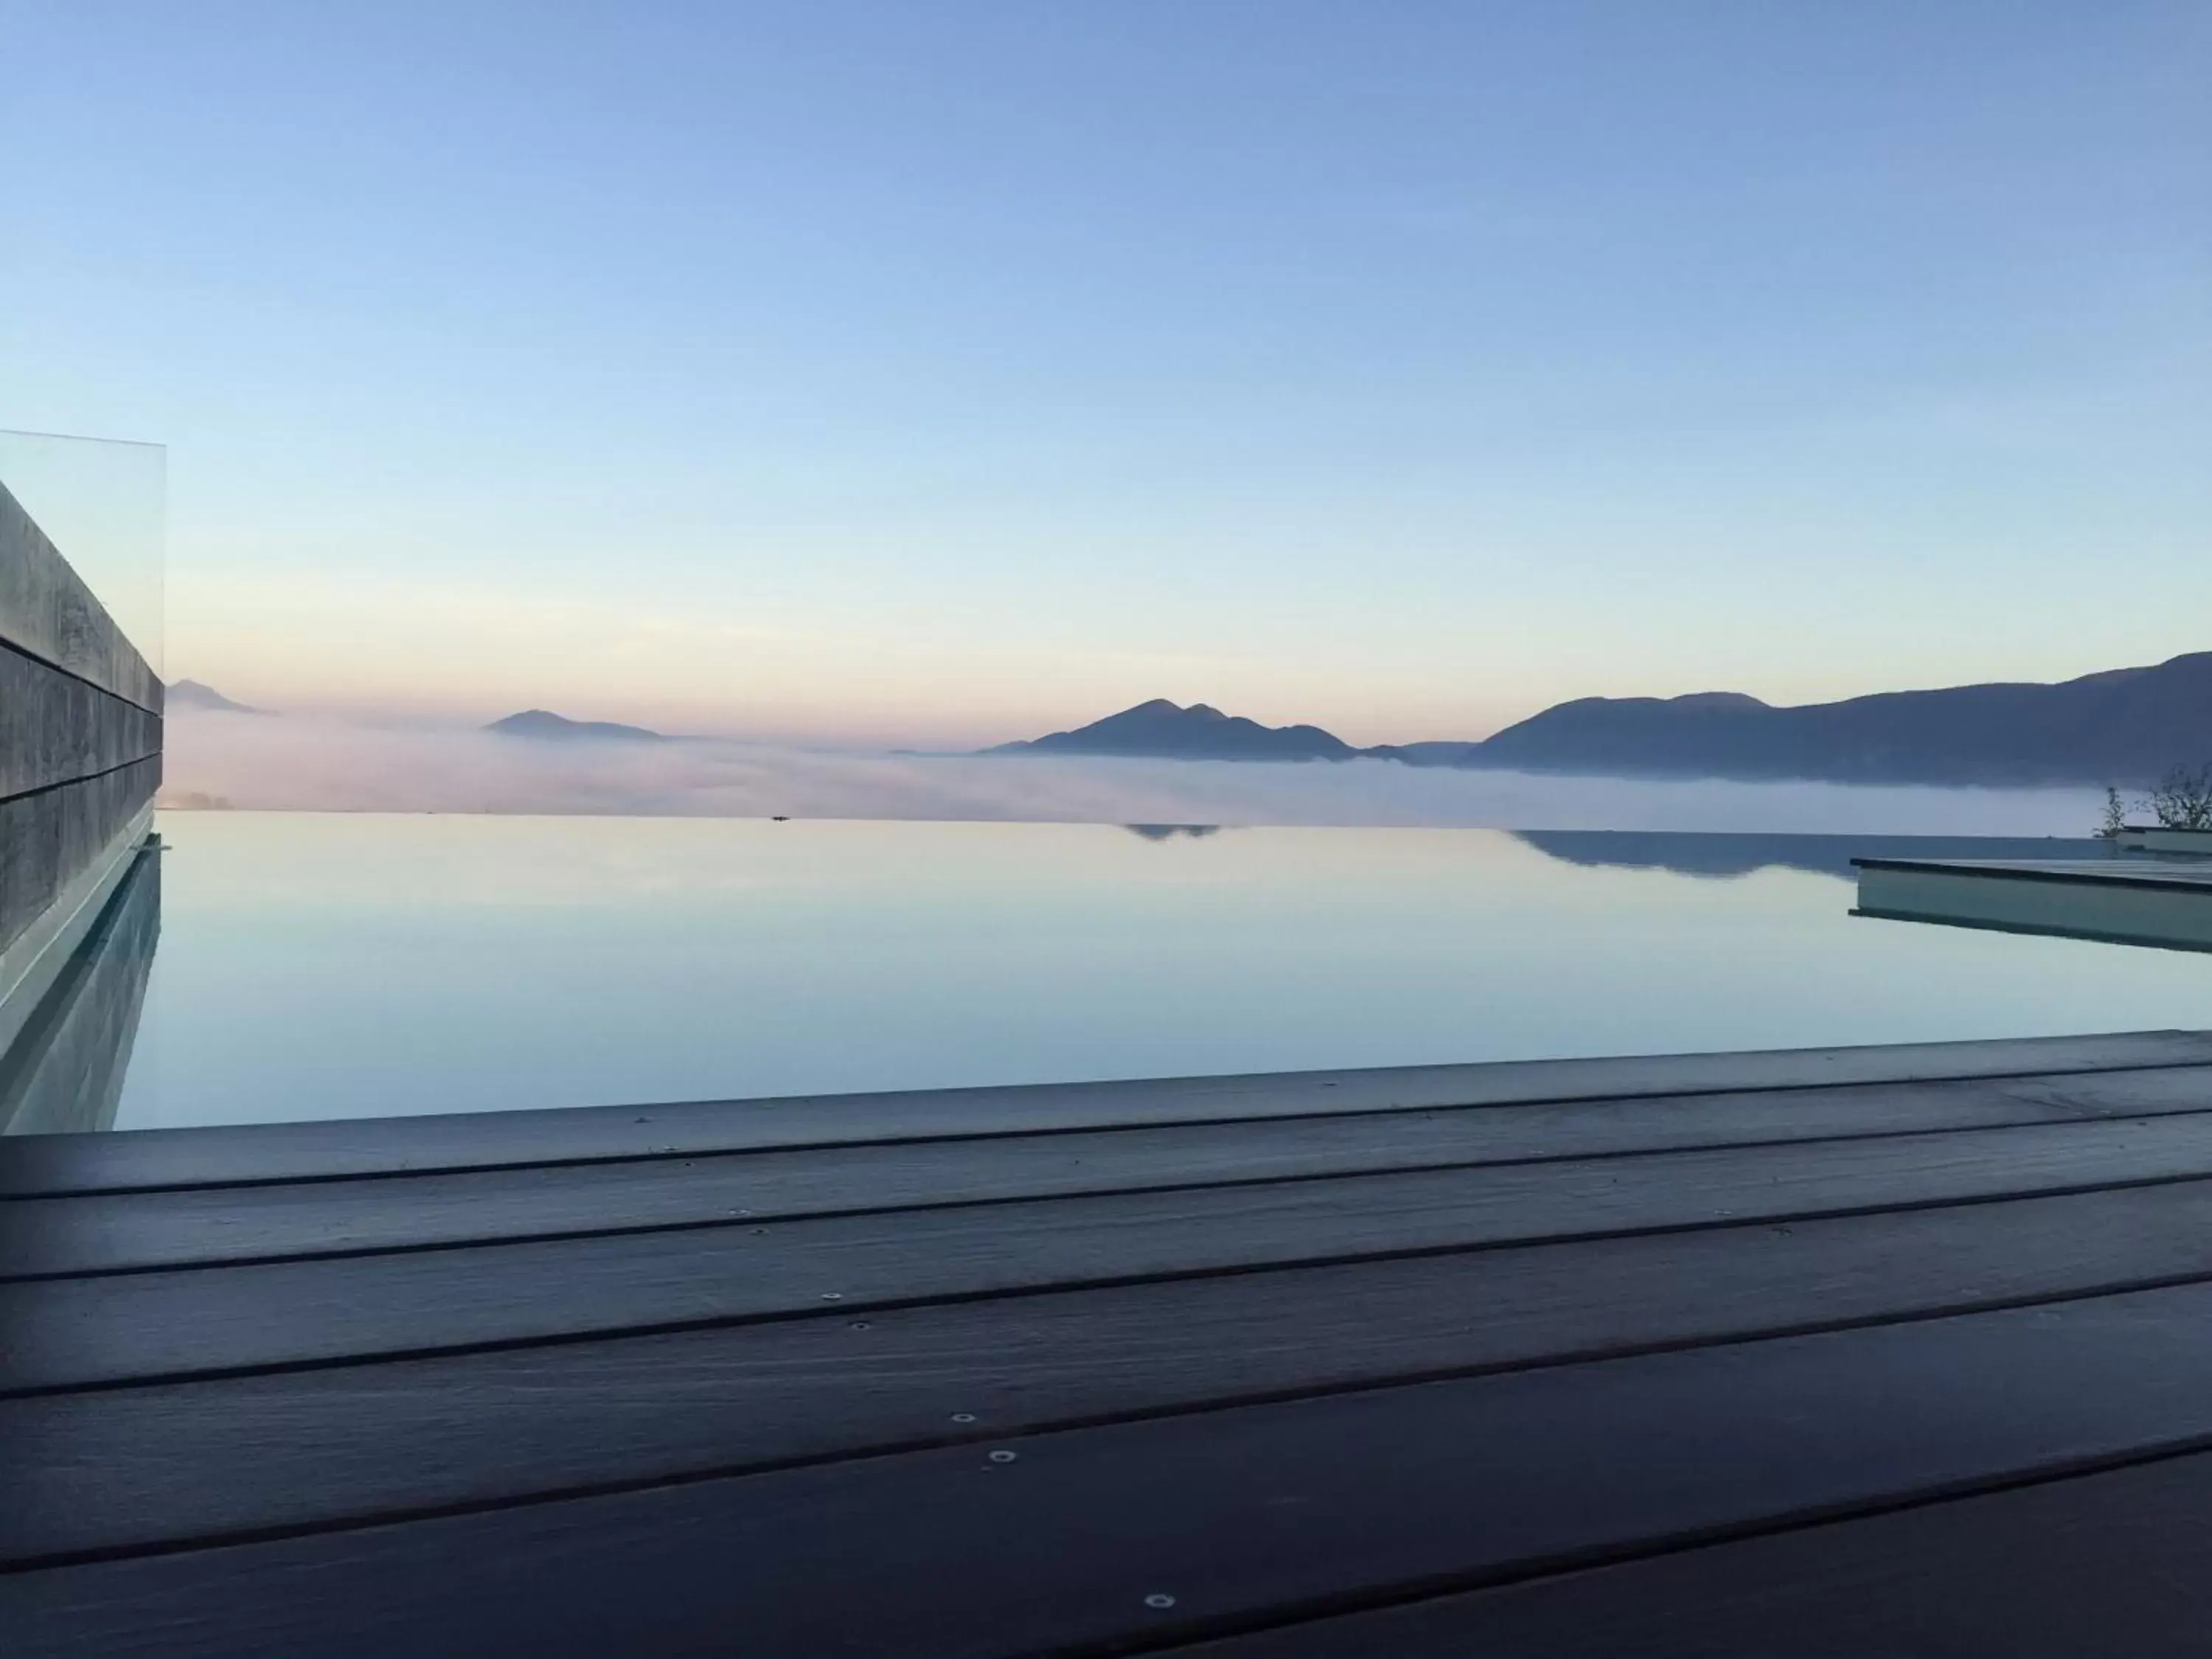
x=348, y=966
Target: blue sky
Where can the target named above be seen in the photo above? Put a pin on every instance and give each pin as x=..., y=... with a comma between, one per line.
x=924, y=372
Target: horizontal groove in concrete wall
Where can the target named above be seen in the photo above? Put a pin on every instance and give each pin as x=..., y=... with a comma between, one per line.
x=46, y=611
x=50, y=838
x=56, y=728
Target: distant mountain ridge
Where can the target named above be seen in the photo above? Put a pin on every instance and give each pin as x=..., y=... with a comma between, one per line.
x=2126, y=726
x=543, y=723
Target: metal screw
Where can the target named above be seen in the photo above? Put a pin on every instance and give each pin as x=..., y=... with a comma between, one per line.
x=963, y=1417
x=859, y=1324
x=1002, y=1458
x=1157, y=1598
x=832, y=1296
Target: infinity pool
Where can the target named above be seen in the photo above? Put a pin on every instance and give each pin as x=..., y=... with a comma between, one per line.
x=320, y=966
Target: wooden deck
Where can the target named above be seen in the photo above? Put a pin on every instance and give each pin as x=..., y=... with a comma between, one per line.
x=1831, y=1353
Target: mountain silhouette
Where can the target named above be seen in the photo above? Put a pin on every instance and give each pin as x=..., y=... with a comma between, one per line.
x=544, y=724
x=1163, y=729
x=192, y=693
x=2126, y=726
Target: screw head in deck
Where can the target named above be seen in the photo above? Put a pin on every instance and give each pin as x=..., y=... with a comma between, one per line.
x=1159, y=1599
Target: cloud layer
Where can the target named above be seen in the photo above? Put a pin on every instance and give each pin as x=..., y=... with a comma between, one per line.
x=301, y=763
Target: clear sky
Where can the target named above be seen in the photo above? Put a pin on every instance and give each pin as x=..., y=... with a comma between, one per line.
x=932, y=371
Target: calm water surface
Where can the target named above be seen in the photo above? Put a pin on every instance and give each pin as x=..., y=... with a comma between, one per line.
x=321, y=966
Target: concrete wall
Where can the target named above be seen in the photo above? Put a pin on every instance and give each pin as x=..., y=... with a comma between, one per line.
x=47, y=612
x=51, y=839
x=57, y=730
x=80, y=760
x=80, y=737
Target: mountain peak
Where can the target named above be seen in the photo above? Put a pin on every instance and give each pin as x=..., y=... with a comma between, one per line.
x=196, y=694
x=1716, y=700
x=1167, y=731
x=544, y=723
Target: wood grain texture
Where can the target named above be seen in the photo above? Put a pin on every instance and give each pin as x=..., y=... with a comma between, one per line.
x=2114, y=1563
x=177, y=1158
x=1231, y=1517
x=42, y=1238
x=71, y=1332
x=131, y=1468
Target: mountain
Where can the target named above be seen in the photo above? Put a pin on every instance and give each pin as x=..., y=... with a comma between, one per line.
x=2127, y=725
x=1163, y=729
x=191, y=694
x=543, y=724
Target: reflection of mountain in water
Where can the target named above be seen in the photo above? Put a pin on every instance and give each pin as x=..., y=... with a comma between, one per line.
x=1728, y=856
x=1166, y=831
x=65, y=1070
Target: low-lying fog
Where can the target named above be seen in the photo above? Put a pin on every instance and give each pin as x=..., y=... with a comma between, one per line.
x=296, y=762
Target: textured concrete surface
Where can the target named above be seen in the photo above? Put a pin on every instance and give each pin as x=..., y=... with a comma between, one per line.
x=80, y=728
x=47, y=612
x=65, y=1072
x=48, y=839
x=55, y=728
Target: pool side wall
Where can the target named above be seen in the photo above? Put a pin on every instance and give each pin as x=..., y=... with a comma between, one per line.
x=2161, y=840
x=2118, y=912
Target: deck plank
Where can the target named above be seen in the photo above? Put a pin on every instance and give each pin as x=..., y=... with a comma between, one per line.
x=130, y=1468
x=70, y=1333
x=1236, y=1514
x=2118, y=1562
x=108, y=1232
x=156, y=1159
